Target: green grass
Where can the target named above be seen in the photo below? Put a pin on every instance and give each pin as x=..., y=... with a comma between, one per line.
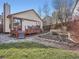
x=29, y=50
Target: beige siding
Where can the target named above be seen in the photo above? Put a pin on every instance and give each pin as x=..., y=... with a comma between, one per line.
x=29, y=15
x=7, y=22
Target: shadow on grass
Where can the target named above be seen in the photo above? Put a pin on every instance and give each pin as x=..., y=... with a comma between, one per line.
x=22, y=45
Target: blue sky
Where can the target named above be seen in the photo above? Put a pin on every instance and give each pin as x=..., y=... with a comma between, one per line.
x=21, y=5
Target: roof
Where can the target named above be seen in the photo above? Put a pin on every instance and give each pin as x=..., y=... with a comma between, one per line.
x=47, y=17
x=26, y=11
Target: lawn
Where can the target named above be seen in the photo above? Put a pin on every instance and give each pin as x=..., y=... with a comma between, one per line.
x=30, y=50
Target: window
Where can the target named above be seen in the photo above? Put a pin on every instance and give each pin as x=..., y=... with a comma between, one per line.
x=17, y=22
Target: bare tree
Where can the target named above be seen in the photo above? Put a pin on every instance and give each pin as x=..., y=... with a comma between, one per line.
x=55, y=18
x=46, y=9
x=57, y=5
x=63, y=9
x=40, y=11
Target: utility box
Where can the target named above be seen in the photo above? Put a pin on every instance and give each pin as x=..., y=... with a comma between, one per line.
x=21, y=34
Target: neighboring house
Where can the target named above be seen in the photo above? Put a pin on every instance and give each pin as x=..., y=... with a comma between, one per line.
x=47, y=22
x=24, y=19
x=75, y=10
x=74, y=24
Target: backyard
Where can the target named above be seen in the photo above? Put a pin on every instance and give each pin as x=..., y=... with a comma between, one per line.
x=30, y=50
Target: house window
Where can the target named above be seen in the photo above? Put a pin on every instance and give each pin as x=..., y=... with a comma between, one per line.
x=17, y=22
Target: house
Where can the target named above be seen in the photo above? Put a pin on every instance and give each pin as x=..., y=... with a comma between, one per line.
x=75, y=10
x=47, y=22
x=74, y=24
x=0, y=19
x=24, y=19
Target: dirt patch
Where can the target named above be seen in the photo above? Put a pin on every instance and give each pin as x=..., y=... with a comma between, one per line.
x=61, y=40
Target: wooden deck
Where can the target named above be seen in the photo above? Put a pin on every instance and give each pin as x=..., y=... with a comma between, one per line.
x=15, y=33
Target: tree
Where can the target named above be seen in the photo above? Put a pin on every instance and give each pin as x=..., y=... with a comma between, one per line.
x=57, y=6
x=40, y=11
x=54, y=17
x=46, y=9
x=63, y=9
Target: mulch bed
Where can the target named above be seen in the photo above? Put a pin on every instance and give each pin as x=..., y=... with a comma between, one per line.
x=61, y=39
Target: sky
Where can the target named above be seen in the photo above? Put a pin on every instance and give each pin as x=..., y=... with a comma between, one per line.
x=22, y=5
